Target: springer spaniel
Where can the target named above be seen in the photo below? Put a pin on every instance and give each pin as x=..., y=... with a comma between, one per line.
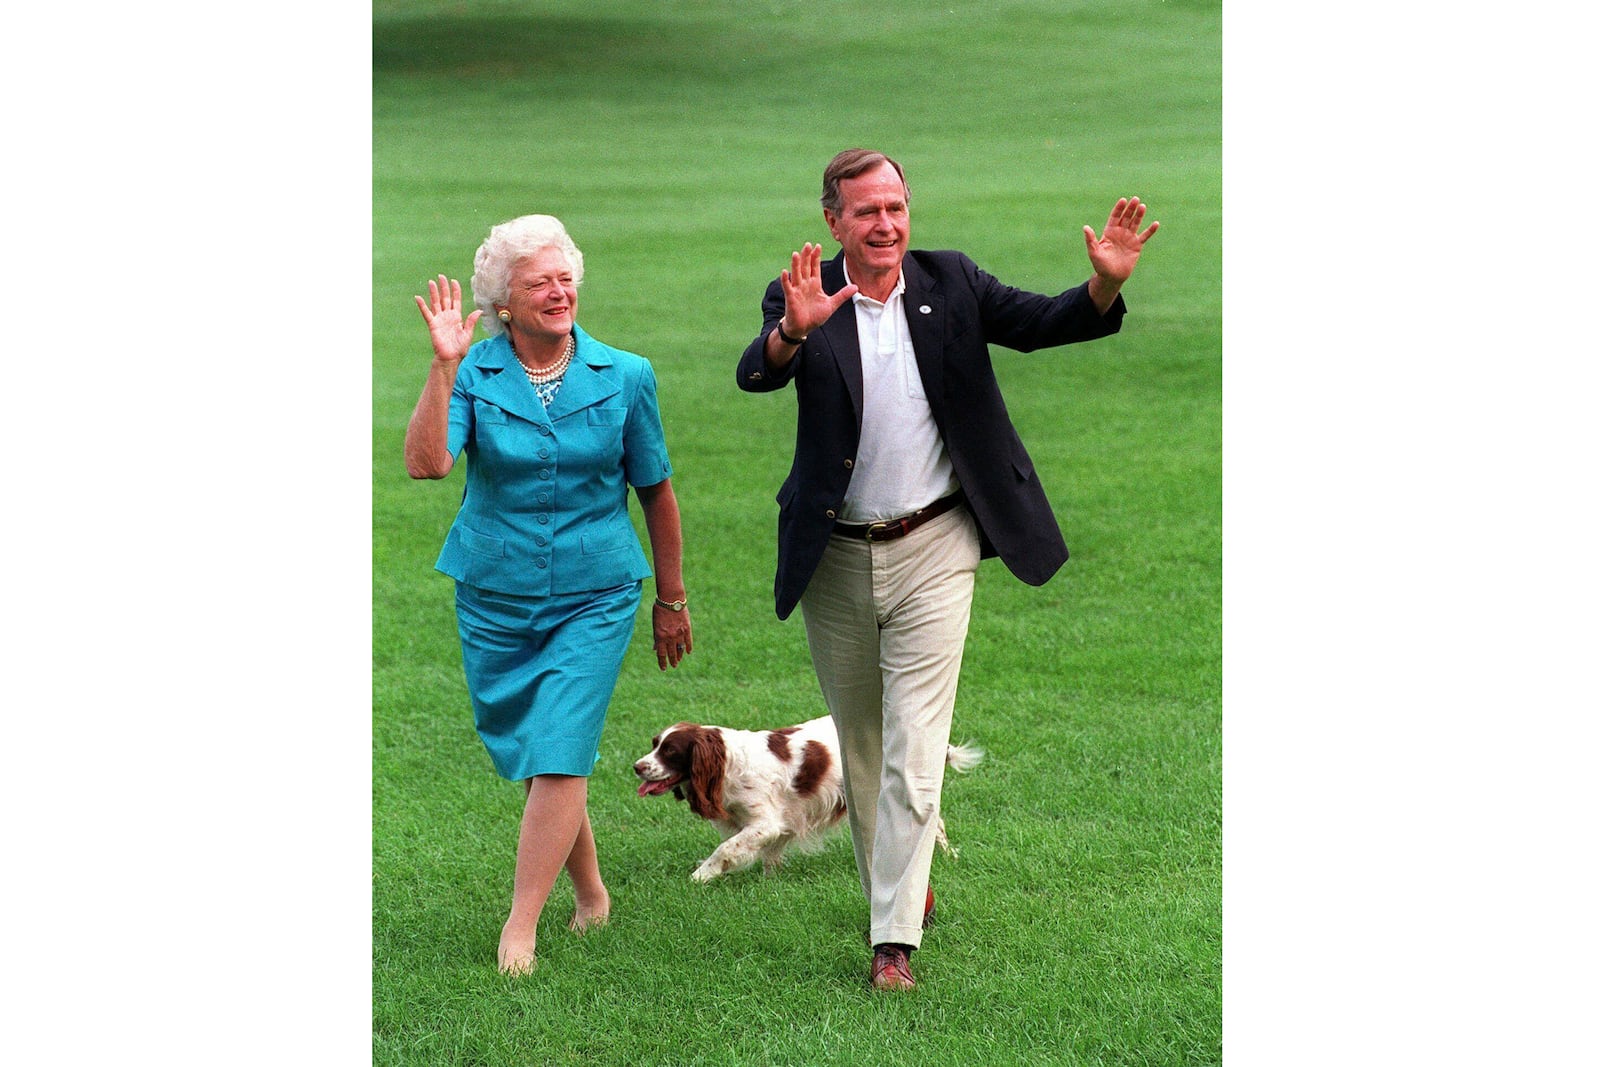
x=762, y=790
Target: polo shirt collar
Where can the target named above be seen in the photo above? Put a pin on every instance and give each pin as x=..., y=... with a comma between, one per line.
x=899, y=284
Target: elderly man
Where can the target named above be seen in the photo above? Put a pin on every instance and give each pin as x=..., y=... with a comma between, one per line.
x=906, y=472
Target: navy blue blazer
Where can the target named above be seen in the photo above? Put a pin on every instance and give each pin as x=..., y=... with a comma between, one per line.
x=955, y=311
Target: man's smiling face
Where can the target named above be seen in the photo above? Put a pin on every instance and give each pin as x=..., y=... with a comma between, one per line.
x=873, y=223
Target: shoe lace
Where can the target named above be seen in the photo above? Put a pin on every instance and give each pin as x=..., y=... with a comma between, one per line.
x=886, y=957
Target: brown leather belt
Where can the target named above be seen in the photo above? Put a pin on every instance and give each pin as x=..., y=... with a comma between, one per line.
x=889, y=529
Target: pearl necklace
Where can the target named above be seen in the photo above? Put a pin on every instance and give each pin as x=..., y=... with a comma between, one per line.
x=546, y=375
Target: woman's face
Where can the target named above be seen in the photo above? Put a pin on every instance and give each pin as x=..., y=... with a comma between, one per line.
x=543, y=300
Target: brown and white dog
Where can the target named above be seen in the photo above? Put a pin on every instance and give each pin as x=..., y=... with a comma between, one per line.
x=763, y=790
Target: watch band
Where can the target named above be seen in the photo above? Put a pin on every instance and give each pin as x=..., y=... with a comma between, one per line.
x=673, y=605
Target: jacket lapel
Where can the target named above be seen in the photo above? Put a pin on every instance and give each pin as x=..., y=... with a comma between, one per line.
x=585, y=385
x=508, y=389
x=840, y=333
x=924, y=307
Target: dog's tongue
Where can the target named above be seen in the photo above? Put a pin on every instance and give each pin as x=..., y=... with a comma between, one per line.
x=653, y=789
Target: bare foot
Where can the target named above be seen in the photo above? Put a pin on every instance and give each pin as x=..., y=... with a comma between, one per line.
x=588, y=915
x=517, y=952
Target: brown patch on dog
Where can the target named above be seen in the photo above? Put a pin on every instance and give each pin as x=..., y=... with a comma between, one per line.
x=814, y=764
x=778, y=742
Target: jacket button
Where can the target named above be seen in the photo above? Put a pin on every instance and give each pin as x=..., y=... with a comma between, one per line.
x=832, y=514
x=541, y=563
x=849, y=463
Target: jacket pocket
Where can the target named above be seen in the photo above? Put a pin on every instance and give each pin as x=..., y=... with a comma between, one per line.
x=600, y=543
x=599, y=416
x=482, y=544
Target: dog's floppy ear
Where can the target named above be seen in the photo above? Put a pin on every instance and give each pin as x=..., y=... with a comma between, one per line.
x=708, y=762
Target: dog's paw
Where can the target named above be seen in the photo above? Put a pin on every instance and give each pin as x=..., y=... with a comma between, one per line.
x=705, y=872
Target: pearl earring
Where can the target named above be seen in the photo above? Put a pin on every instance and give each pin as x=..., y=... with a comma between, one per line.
x=505, y=316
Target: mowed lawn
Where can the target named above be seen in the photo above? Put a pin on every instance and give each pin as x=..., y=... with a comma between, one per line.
x=683, y=145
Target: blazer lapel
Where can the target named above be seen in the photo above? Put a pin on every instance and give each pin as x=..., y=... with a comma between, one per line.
x=509, y=389
x=840, y=333
x=584, y=384
x=924, y=307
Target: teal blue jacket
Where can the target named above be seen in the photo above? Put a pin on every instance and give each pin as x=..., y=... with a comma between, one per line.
x=545, y=509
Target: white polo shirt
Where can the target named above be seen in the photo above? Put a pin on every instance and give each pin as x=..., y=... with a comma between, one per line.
x=902, y=464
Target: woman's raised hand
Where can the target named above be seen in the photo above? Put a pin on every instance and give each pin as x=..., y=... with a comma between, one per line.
x=450, y=333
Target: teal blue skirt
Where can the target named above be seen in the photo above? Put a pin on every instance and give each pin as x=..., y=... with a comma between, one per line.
x=541, y=671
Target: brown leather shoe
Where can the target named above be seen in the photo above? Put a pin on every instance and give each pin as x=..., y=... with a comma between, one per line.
x=891, y=968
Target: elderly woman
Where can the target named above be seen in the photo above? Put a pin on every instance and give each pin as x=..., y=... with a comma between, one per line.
x=548, y=569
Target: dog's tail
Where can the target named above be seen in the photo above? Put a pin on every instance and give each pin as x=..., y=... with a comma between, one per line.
x=962, y=758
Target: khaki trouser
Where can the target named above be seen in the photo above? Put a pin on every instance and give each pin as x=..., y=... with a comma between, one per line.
x=887, y=624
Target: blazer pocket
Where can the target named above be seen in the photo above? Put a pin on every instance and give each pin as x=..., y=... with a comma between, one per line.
x=598, y=544
x=607, y=416
x=489, y=413
x=956, y=326
x=482, y=544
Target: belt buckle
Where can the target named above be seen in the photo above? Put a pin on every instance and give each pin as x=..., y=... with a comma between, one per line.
x=879, y=531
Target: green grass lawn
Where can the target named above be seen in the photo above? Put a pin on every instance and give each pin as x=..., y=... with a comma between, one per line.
x=683, y=146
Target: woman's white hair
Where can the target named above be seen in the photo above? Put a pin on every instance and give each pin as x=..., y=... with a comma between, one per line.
x=507, y=243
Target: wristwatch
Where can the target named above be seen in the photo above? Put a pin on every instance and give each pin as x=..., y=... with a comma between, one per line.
x=673, y=605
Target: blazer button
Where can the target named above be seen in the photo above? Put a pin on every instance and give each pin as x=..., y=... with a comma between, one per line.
x=832, y=514
x=849, y=464
x=541, y=563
